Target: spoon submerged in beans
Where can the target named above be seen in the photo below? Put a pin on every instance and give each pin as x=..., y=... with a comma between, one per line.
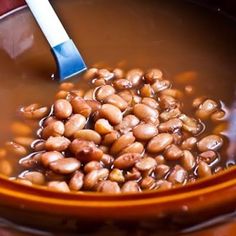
x=127, y=133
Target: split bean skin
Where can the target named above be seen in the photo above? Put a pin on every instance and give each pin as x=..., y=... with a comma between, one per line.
x=124, y=132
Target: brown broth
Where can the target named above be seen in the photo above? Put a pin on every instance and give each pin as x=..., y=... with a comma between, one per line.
x=170, y=35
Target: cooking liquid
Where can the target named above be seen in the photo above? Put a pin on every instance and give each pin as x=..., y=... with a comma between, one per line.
x=173, y=36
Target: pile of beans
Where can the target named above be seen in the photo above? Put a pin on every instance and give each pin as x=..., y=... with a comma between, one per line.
x=127, y=133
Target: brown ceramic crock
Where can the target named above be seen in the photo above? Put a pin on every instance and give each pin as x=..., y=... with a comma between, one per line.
x=161, y=211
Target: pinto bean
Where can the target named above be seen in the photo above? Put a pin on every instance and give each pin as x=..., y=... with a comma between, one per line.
x=189, y=143
x=152, y=75
x=160, y=85
x=92, y=165
x=190, y=125
x=135, y=147
x=168, y=102
x=163, y=185
x=105, y=74
x=127, y=124
x=30, y=161
x=218, y=116
x=16, y=149
x=60, y=186
x=89, y=135
x=77, y=181
x=188, y=160
x=85, y=151
x=99, y=82
x=145, y=113
x=161, y=170
x=111, y=113
x=75, y=93
x=171, y=125
x=107, y=160
x=62, y=109
x=130, y=187
x=35, y=177
x=159, y=142
x=145, y=164
x=170, y=114
x=145, y=131
x=173, y=153
x=178, y=175
x=122, y=142
x=210, y=142
x=95, y=105
x=57, y=144
x=207, y=156
x=110, y=138
x=80, y=106
x=127, y=96
x=206, y=109
x=102, y=126
x=134, y=76
x=65, y=165
x=147, y=91
x=203, y=170
x=67, y=86
x=121, y=84
x=34, y=111
x=160, y=159
x=52, y=176
x=47, y=157
x=38, y=145
x=104, y=148
x=175, y=93
x=134, y=174
x=126, y=160
x=24, y=141
x=151, y=102
x=53, y=129
x=93, y=177
x=48, y=121
x=90, y=74
x=117, y=101
x=117, y=176
x=148, y=183
x=118, y=73
x=104, y=91
x=108, y=186
x=89, y=95
x=178, y=138
x=76, y=122
x=198, y=101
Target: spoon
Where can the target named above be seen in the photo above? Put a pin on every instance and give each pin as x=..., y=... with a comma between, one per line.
x=68, y=59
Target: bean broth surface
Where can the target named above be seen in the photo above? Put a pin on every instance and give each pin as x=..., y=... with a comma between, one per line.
x=175, y=37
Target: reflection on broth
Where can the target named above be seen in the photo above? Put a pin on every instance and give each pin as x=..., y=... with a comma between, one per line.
x=176, y=37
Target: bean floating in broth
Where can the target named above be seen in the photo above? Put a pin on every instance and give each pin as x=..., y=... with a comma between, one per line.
x=128, y=132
